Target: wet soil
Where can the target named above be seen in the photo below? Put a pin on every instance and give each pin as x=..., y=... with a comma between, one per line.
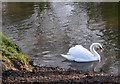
x=56, y=75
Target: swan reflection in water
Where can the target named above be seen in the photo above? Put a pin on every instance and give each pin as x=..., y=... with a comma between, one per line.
x=86, y=66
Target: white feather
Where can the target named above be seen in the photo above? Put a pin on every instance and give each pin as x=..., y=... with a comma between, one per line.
x=81, y=54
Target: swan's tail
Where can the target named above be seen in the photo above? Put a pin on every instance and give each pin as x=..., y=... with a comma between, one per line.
x=69, y=57
x=65, y=56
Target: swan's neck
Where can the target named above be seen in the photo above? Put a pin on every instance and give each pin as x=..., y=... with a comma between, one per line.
x=92, y=49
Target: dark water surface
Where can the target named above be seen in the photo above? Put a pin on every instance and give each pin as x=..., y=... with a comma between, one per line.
x=45, y=30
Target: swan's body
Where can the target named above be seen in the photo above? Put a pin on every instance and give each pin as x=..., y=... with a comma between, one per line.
x=81, y=54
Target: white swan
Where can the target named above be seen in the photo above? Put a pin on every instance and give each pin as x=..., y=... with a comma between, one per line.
x=81, y=54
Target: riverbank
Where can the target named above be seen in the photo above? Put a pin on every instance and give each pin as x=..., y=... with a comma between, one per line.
x=57, y=76
x=12, y=56
x=17, y=68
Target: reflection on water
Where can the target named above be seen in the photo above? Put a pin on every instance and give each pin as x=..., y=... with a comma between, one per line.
x=46, y=30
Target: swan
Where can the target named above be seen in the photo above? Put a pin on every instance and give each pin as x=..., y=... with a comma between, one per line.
x=80, y=54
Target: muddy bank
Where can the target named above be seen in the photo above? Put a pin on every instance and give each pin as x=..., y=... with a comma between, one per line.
x=56, y=75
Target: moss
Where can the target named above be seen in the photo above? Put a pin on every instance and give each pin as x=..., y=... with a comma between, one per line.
x=10, y=51
x=5, y=59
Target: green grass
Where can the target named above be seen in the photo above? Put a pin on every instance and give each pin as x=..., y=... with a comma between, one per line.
x=10, y=50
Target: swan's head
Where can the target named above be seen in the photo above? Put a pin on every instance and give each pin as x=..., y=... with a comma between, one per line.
x=98, y=46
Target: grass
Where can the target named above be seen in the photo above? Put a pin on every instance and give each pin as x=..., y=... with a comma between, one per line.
x=9, y=51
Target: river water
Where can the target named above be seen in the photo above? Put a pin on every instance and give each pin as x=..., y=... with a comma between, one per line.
x=45, y=30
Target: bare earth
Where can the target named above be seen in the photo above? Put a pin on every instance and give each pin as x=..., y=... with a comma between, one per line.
x=57, y=76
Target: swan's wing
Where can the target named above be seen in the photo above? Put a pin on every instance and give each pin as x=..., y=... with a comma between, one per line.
x=81, y=53
x=69, y=57
x=75, y=49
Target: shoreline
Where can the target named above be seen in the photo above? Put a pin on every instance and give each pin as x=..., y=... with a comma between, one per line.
x=56, y=75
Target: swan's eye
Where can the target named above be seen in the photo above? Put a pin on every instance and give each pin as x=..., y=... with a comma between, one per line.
x=100, y=48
